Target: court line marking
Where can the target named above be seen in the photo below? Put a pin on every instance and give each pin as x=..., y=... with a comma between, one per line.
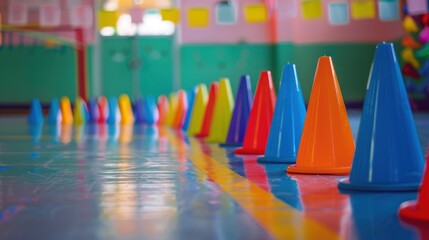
x=279, y=219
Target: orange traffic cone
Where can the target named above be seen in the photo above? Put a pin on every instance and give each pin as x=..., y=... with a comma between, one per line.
x=208, y=115
x=163, y=108
x=182, y=108
x=327, y=145
x=258, y=126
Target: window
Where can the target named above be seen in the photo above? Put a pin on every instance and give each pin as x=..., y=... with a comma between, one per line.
x=388, y=10
x=226, y=12
x=338, y=13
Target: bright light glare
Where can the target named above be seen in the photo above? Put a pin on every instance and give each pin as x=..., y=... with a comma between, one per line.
x=107, y=31
x=152, y=25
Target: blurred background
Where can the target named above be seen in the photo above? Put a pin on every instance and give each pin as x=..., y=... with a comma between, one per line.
x=89, y=48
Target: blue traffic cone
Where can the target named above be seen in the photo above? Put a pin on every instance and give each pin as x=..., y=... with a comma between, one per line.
x=288, y=120
x=35, y=117
x=151, y=114
x=388, y=156
x=94, y=111
x=191, y=96
x=114, y=114
x=240, y=115
x=139, y=111
x=86, y=112
x=54, y=115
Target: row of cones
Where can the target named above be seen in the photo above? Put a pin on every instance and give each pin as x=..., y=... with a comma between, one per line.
x=98, y=110
x=387, y=155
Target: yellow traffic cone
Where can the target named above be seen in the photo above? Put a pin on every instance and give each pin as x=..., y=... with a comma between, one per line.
x=127, y=116
x=198, y=110
x=66, y=111
x=222, y=113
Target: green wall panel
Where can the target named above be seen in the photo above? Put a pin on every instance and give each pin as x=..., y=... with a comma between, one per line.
x=208, y=63
x=154, y=55
x=28, y=72
x=116, y=72
x=352, y=63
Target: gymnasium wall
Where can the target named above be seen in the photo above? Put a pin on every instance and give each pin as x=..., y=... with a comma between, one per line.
x=36, y=71
x=205, y=63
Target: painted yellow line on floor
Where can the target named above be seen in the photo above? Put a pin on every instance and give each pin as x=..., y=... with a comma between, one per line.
x=280, y=220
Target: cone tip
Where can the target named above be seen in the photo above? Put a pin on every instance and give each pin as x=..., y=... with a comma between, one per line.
x=123, y=96
x=325, y=58
x=265, y=75
x=244, y=77
x=224, y=80
x=289, y=66
x=385, y=46
x=213, y=84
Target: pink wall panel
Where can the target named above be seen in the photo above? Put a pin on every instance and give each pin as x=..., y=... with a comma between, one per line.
x=290, y=29
x=33, y=18
x=299, y=30
x=215, y=33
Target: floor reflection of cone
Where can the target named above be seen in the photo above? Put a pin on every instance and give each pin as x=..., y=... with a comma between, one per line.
x=324, y=195
x=327, y=144
x=373, y=216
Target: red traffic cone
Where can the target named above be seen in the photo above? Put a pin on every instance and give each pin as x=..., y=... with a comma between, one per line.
x=258, y=127
x=208, y=115
x=418, y=210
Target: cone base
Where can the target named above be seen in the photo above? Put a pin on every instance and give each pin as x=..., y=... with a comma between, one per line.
x=345, y=184
x=248, y=151
x=36, y=123
x=408, y=211
x=208, y=140
x=276, y=160
x=318, y=170
x=230, y=145
x=201, y=135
